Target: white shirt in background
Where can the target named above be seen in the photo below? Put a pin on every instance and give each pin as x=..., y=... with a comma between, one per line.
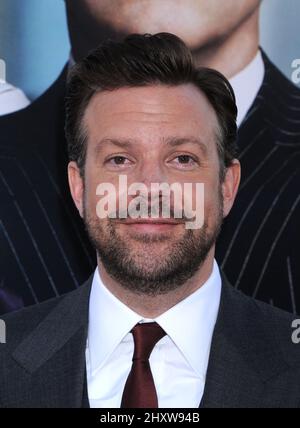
x=11, y=98
x=246, y=85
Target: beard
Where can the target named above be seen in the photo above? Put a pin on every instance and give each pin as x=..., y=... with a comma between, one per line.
x=155, y=264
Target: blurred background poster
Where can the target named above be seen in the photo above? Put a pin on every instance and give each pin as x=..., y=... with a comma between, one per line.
x=254, y=43
x=35, y=45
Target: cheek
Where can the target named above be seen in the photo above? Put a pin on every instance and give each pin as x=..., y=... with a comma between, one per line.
x=93, y=177
x=102, y=195
x=91, y=182
x=212, y=194
x=90, y=202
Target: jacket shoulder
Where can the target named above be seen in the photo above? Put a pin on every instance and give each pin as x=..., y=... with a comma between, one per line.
x=20, y=324
x=265, y=325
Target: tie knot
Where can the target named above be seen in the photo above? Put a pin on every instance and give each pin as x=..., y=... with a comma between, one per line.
x=145, y=337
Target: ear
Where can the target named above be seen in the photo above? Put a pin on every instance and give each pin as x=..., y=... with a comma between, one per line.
x=76, y=186
x=230, y=185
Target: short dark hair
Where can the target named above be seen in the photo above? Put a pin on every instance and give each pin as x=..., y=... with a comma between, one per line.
x=142, y=60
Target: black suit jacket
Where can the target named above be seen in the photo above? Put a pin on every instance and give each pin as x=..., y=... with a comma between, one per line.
x=252, y=363
x=258, y=248
x=44, y=249
x=45, y=252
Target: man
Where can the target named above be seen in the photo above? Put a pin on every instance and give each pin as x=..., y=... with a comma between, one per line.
x=258, y=245
x=156, y=325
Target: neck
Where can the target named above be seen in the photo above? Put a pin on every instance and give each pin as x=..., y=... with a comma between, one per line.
x=232, y=53
x=153, y=306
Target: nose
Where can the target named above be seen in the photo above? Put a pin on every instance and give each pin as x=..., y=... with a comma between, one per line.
x=152, y=171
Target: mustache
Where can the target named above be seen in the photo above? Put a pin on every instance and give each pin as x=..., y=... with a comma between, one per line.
x=151, y=212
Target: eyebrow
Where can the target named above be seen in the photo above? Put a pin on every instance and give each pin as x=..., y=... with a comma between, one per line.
x=125, y=144
x=172, y=141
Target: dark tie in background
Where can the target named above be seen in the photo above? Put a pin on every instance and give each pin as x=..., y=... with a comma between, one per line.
x=139, y=390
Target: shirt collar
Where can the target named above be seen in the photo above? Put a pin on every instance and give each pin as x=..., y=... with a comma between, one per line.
x=246, y=85
x=110, y=321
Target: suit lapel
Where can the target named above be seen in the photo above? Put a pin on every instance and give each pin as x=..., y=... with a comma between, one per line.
x=54, y=354
x=85, y=398
x=229, y=381
x=243, y=356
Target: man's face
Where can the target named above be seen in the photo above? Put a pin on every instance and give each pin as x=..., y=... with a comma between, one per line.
x=151, y=135
x=197, y=22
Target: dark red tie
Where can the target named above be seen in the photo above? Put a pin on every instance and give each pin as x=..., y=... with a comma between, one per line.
x=139, y=391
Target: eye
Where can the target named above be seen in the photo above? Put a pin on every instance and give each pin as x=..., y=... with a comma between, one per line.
x=118, y=160
x=184, y=161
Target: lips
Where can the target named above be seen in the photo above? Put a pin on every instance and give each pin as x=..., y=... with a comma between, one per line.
x=157, y=221
x=150, y=226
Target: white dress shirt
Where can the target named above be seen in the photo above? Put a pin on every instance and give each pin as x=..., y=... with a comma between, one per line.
x=246, y=85
x=178, y=361
x=11, y=98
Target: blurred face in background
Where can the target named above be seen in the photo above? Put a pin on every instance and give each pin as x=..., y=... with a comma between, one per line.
x=200, y=23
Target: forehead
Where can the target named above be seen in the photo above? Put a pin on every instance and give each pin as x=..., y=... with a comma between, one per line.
x=152, y=111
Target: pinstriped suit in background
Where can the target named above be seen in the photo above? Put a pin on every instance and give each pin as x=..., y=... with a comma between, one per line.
x=44, y=248
x=258, y=248
x=45, y=252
